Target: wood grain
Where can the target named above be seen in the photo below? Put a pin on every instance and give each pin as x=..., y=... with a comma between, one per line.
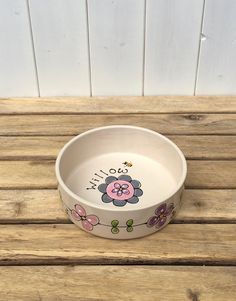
x=198, y=206
x=211, y=174
x=127, y=283
x=44, y=147
x=40, y=174
x=201, y=124
x=65, y=244
x=117, y=105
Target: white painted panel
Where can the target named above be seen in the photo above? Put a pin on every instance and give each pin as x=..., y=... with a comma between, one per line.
x=172, y=41
x=116, y=30
x=61, y=46
x=17, y=70
x=217, y=64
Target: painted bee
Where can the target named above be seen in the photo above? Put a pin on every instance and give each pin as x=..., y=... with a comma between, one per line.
x=128, y=164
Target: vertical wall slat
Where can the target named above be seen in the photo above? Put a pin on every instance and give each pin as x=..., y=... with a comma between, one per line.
x=61, y=46
x=116, y=46
x=172, y=42
x=217, y=63
x=17, y=70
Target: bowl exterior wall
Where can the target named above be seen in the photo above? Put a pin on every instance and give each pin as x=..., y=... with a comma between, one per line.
x=121, y=224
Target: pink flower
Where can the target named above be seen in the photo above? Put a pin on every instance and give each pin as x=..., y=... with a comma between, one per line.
x=87, y=221
x=121, y=190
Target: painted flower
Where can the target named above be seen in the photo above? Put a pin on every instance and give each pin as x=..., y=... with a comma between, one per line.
x=161, y=214
x=87, y=221
x=120, y=190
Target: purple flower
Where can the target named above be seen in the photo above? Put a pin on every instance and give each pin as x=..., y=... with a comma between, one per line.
x=161, y=214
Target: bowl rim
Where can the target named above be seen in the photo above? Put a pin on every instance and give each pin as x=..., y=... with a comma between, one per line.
x=118, y=209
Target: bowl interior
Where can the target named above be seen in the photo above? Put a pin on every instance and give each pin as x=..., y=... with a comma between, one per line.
x=122, y=166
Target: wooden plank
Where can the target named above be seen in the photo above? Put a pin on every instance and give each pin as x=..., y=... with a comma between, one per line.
x=217, y=62
x=47, y=147
x=176, y=243
x=201, y=205
x=211, y=174
x=122, y=104
x=61, y=46
x=60, y=125
x=17, y=68
x=198, y=206
x=171, y=62
x=27, y=174
x=141, y=283
x=40, y=147
x=40, y=174
x=116, y=35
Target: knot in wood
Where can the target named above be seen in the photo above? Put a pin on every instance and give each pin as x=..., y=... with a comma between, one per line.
x=193, y=117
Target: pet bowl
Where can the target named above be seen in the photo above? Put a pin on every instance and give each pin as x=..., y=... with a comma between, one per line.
x=121, y=181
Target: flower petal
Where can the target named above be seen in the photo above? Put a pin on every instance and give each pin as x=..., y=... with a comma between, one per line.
x=80, y=210
x=115, y=190
x=138, y=192
x=125, y=178
x=102, y=187
x=75, y=215
x=161, y=222
x=110, y=179
x=92, y=219
x=152, y=221
x=106, y=198
x=161, y=209
x=119, y=192
x=136, y=183
x=133, y=200
x=124, y=185
x=86, y=225
x=126, y=191
x=117, y=185
x=119, y=203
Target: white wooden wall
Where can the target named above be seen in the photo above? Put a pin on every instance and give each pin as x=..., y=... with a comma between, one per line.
x=117, y=47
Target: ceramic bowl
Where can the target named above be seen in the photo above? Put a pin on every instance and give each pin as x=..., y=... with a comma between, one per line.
x=121, y=181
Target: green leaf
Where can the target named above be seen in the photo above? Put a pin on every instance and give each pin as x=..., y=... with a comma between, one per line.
x=129, y=222
x=115, y=230
x=129, y=229
x=115, y=223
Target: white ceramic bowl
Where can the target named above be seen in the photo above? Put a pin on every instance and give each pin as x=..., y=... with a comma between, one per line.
x=121, y=181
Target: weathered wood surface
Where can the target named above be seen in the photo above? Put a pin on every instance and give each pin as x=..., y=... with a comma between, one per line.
x=41, y=174
x=34, y=230
x=127, y=283
x=58, y=125
x=121, y=104
x=198, y=206
x=44, y=147
x=63, y=244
